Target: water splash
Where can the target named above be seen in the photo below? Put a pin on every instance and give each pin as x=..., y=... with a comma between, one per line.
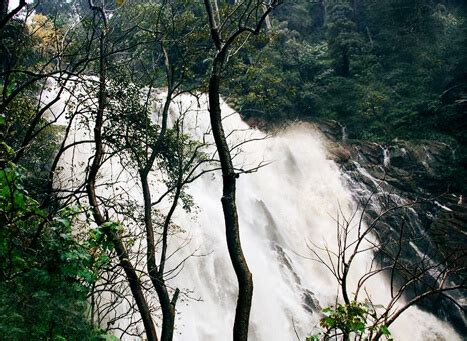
x=344, y=133
x=283, y=208
x=386, y=157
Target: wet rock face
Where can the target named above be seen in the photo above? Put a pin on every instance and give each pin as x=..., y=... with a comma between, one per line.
x=431, y=220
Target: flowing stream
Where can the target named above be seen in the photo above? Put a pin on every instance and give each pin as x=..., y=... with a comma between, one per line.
x=284, y=207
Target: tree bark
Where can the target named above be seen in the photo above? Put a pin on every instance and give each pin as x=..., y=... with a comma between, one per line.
x=130, y=271
x=156, y=276
x=6, y=16
x=232, y=229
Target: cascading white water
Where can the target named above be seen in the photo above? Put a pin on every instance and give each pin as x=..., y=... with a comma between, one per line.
x=344, y=137
x=283, y=207
x=386, y=157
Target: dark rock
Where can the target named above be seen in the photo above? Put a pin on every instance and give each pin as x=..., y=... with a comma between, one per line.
x=339, y=153
x=310, y=302
x=332, y=129
x=434, y=226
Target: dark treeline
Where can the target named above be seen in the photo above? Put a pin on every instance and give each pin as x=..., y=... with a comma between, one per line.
x=391, y=69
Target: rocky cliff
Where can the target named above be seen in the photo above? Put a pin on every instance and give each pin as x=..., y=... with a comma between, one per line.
x=418, y=220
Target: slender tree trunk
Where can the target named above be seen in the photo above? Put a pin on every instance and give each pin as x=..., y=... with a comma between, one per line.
x=156, y=276
x=156, y=273
x=232, y=230
x=130, y=271
x=345, y=65
x=344, y=283
x=6, y=16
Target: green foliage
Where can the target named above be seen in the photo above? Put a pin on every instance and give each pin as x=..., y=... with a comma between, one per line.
x=342, y=36
x=132, y=130
x=347, y=318
x=386, y=70
x=129, y=127
x=171, y=32
x=42, y=141
x=354, y=319
x=98, y=239
x=45, y=274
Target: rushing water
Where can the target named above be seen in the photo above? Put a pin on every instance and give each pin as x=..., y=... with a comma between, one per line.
x=284, y=207
x=386, y=157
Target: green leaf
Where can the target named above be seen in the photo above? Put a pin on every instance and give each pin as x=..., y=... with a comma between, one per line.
x=327, y=311
x=358, y=326
x=41, y=294
x=59, y=338
x=385, y=330
x=328, y=322
x=19, y=200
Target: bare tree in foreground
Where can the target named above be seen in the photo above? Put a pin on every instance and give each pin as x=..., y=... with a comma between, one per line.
x=250, y=17
x=100, y=219
x=359, y=317
x=152, y=149
x=246, y=17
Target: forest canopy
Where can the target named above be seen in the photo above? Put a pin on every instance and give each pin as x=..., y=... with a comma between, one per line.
x=385, y=71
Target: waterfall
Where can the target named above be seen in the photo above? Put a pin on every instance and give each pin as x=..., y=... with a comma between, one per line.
x=344, y=133
x=283, y=207
x=386, y=157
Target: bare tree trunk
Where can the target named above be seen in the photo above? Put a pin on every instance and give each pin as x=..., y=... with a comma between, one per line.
x=157, y=275
x=5, y=17
x=232, y=230
x=130, y=271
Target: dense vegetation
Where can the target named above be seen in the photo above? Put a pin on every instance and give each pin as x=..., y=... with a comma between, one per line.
x=385, y=70
x=45, y=273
